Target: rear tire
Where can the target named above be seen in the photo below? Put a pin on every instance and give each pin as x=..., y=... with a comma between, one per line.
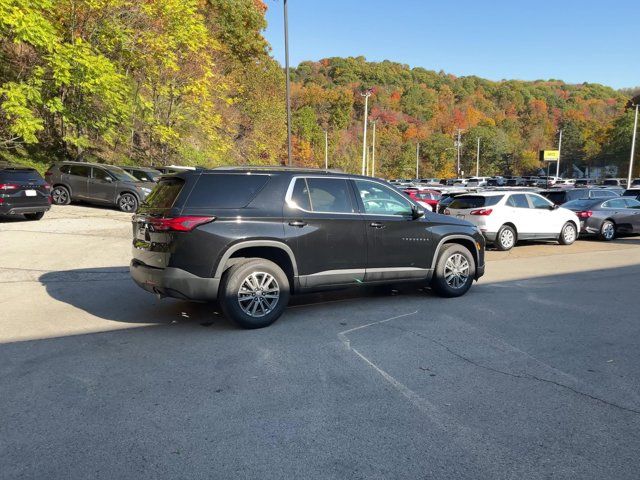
x=568, y=234
x=254, y=293
x=34, y=216
x=607, y=231
x=60, y=195
x=455, y=271
x=128, y=203
x=505, y=238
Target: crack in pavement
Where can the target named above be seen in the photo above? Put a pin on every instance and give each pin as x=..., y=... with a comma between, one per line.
x=525, y=375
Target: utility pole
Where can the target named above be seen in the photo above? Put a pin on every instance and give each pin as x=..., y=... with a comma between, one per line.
x=633, y=148
x=458, y=146
x=364, y=135
x=418, y=161
x=326, y=150
x=559, y=151
x=288, y=90
x=373, y=151
x=478, y=159
x=366, y=170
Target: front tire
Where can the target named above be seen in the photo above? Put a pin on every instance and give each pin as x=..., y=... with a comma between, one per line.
x=34, y=216
x=455, y=271
x=254, y=293
x=60, y=195
x=505, y=238
x=128, y=203
x=568, y=234
x=607, y=231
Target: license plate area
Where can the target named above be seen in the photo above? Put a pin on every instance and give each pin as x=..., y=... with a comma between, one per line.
x=30, y=193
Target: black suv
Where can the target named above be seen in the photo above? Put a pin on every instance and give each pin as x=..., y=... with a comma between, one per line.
x=96, y=183
x=250, y=237
x=23, y=191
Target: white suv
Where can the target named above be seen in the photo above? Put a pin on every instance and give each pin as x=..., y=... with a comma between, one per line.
x=505, y=217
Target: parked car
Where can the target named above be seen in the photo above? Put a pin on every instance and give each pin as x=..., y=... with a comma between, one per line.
x=560, y=196
x=505, y=217
x=446, y=199
x=607, y=218
x=566, y=182
x=586, y=182
x=23, y=191
x=169, y=169
x=474, y=182
x=516, y=182
x=143, y=174
x=426, y=198
x=632, y=192
x=307, y=230
x=96, y=183
x=635, y=183
x=430, y=181
x=615, y=182
x=496, y=181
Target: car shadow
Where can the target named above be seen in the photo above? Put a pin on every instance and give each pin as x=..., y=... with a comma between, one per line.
x=110, y=294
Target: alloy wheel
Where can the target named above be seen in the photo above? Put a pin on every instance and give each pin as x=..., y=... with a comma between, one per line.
x=456, y=270
x=507, y=238
x=569, y=234
x=608, y=230
x=127, y=203
x=59, y=196
x=258, y=294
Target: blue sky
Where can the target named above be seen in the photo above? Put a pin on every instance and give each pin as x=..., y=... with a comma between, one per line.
x=575, y=41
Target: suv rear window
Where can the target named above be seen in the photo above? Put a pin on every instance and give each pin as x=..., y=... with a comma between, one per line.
x=20, y=175
x=226, y=190
x=631, y=192
x=464, y=202
x=165, y=193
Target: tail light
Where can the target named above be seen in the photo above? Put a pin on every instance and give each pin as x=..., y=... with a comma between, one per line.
x=483, y=212
x=48, y=173
x=585, y=214
x=8, y=186
x=179, y=224
x=46, y=186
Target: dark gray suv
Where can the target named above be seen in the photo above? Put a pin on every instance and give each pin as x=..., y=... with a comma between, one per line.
x=250, y=237
x=96, y=183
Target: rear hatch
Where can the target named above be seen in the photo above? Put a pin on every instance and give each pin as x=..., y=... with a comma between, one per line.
x=23, y=188
x=470, y=207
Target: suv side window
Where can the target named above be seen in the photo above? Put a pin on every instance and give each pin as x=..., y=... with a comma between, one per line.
x=380, y=200
x=601, y=194
x=326, y=195
x=539, y=202
x=65, y=168
x=79, y=170
x=100, y=174
x=518, y=200
x=632, y=203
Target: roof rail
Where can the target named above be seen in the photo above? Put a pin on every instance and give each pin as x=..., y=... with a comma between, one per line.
x=279, y=168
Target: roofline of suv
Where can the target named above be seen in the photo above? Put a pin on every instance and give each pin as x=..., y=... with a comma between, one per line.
x=279, y=168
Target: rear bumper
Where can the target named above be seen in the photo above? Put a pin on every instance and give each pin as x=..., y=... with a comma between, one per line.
x=14, y=210
x=174, y=282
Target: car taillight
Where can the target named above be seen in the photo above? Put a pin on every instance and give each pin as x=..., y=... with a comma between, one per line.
x=46, y=186
x=8, y=186
x=481, y=211
x=48, y=174
x=585, y=214
x=179, y=224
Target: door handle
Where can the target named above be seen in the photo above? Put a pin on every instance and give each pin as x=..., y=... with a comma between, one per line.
x=297, y=223
x=376, y=225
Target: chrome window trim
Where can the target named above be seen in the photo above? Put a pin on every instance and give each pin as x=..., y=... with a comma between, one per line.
x=293, y=205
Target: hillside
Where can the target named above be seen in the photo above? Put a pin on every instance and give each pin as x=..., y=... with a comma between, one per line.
x=193, y=82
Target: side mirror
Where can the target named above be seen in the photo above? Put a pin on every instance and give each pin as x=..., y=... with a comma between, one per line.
x=416, y=212
x=109, y=179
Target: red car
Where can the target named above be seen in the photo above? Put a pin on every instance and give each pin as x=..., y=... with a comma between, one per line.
x=427, y=198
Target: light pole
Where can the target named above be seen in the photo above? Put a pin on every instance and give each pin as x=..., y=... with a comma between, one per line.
x=288, y=92
x=418, y=161
x=364, y=135
x=373, y=151
x=458, y=147
x=326, y=150
x=478, y=159
x=633, y=148
x=559, y=150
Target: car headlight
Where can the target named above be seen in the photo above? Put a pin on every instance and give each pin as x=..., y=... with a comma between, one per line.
x=146, y=190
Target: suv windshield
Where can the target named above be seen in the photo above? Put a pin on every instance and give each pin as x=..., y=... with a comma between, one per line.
x=474, y=201
x=121, y=174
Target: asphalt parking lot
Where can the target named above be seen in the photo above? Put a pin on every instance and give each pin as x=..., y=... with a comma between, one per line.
x=533, y=374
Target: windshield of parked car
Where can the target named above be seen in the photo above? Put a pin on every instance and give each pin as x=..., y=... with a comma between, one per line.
x=579, y=205
x=121, y=174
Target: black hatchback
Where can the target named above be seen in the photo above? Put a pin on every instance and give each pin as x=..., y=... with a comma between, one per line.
x=23, y=191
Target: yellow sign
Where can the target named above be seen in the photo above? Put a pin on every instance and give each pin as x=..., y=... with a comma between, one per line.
x=551, y=155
